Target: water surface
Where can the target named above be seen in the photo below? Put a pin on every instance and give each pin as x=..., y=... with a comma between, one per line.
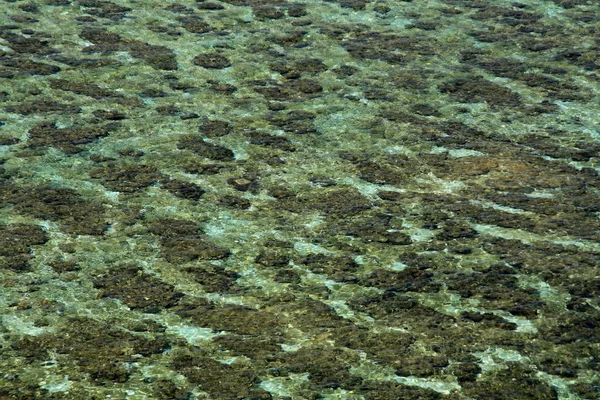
x=270, y=199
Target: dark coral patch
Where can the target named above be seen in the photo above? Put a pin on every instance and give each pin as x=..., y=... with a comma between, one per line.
x=356, y=5
x=497, y=290
x=183, y=241
x=268, y=12
x=208, y=373
x=85, y=62
x=75, y=214
x=236, y=319
x=517, y=381
x=211, y=61
x=294, y=90
x=267, y=140
x=475, y=90
x=18, y=238
x=109, y=115
x=306, y=66
x=388, y=169
x=209, y=5
x=173, y=228
x=86, y=89
x=43, y=107
x=214, y=279
x=185, y=190
x=127, y=178
x=391, y=48
x=375, y=390
x=235, y=202
x=68, y=140
x=104, y=41
x=215, y=128
x=274, y=259
x=488, y=320
x=339, y=268
x=8, y=141
x=376, y=228
x=505, y=15
x=573, y=328
x=398, y=309
x=136, y=289
x=255, y=347
x=23, y=66
x=194, y=24
x=98, y=349
x=299, y=122
x=16, y=242
x=327, y=367
x=104, y=9
x=339, y=203
x=26, y=45
x=158, y=57
x=312, y=315
x=553, y=87
x=456, y=229
x=205, y=149
x=407, y=280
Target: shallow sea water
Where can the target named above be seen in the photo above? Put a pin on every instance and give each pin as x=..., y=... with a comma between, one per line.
x=271, y=199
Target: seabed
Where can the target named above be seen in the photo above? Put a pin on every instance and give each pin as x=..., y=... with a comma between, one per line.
x=273, y=199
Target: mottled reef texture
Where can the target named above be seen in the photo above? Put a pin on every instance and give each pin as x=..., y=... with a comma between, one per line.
x=278, y=199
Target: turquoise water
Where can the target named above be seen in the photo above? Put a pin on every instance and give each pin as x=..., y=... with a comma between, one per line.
x=270, y=199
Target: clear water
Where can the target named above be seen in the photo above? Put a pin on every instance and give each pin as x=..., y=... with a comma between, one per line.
x=268, y=199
